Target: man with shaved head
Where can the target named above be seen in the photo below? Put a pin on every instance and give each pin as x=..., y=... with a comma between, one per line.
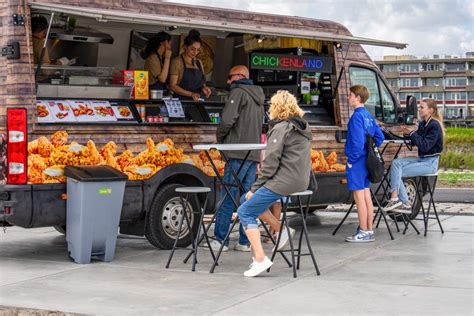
x=241, y=123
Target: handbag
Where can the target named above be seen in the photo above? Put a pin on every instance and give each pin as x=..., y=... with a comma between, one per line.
x=374, y=161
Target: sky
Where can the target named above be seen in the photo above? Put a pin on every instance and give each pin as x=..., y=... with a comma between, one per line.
x=429, y=27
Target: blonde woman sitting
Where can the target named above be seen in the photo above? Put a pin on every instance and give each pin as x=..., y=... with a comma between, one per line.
x=285, y=170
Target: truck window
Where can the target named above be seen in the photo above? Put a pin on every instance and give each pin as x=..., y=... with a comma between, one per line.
x=368, y=78
x=389, y=115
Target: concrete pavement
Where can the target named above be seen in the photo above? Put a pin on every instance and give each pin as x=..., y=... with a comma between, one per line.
x=410, y=275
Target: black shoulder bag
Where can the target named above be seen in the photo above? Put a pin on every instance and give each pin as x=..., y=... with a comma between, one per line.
x=374, y=161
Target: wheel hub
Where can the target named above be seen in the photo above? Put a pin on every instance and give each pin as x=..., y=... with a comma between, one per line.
x=171, y=216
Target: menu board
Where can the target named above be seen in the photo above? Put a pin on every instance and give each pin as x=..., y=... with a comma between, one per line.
x=122, y=111
x=61, y=111
x=82, y=111
x=174, y=107
x=103, y=111
x=43, y=112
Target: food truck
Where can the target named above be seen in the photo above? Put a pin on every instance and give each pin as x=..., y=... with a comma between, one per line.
x=96, y=101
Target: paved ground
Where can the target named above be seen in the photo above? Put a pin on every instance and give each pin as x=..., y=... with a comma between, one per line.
x=413, y=274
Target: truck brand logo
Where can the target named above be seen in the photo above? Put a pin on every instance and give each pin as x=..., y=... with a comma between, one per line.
x=291, y=62
x=104, y=191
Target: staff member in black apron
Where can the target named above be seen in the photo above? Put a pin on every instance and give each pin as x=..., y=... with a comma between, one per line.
x=187, y=79
x=157, y=55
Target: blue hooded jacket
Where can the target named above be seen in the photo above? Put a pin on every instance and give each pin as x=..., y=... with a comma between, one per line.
x=355, y=141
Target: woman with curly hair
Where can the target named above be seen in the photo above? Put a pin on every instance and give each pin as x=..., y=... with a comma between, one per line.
x=285, y=170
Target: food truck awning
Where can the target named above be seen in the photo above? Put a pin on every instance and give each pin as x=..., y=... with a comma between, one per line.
x=105, y=15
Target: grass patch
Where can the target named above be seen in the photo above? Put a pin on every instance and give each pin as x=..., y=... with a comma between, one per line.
x=457, y=160
x=459, y=148
x=455, y=177
x=459, y=136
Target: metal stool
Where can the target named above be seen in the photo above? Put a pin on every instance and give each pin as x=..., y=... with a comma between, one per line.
x=431, y=188
x=304, y=231
x=194, y=241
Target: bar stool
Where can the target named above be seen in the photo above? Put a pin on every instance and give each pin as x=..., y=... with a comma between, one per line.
x=427, y=179
x=304, y=231
x=200, y=212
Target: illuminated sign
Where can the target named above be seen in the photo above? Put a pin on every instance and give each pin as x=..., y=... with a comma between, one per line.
x=291, y=62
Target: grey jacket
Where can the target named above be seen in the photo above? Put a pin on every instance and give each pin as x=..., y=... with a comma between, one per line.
x=286, y=168
x=242, y=120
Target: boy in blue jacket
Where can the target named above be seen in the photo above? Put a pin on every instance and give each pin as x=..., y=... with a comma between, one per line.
x=355, y=149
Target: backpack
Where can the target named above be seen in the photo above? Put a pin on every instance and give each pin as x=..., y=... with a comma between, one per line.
x=374, y=161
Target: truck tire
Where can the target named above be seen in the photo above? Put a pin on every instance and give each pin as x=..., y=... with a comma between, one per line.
x=162, y=221
x=411, y=192
x=61, y=229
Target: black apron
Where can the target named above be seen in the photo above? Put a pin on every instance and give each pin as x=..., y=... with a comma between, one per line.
x=193, y=80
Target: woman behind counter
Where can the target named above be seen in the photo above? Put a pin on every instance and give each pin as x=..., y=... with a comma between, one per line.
x=187, y=79
x=157, y=55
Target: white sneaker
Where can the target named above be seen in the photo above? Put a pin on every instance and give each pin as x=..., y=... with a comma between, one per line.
x=258, y=267
x=216, y=245
x=284, y=238
x=243, y=248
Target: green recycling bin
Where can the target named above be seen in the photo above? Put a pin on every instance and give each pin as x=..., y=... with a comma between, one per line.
x=94, y=204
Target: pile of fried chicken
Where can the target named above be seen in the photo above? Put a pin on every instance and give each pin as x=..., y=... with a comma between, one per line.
x=328, y=164
x=202, y=162
x=48, y=157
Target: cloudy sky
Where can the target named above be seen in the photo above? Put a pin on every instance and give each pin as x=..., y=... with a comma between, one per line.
x=428, y=26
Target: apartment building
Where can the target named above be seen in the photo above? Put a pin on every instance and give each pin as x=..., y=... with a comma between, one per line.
x=447, y=79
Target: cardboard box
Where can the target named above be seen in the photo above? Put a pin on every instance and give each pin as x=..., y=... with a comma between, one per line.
x=141, y=85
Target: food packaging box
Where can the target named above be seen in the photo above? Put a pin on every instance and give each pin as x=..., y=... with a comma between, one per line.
x=61, y=111
x=103, y=111
x=43, y=112
x=141, y=85
x=129, y=81
x=82, y=110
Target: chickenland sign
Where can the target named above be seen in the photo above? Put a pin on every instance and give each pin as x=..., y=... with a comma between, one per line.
x=291, y=62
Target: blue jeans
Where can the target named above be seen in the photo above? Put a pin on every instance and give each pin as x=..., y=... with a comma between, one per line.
x=224, y=214
x=410, y=167
x=258, y=203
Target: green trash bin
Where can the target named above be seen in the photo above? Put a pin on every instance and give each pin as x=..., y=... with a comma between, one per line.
x=94, y=204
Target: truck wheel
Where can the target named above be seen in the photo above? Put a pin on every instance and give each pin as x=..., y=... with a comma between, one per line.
x=61, y=229
x=163, y=218
x=411, y=192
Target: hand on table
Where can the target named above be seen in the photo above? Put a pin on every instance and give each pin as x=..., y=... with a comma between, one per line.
x=207, y=91
x=406, y=129
x=195, y=97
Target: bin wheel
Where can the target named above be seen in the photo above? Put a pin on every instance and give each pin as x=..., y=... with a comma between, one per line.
x=411, y=192
x=61, y=229
x=163, y=218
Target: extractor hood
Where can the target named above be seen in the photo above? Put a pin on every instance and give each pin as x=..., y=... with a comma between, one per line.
x=81, y=35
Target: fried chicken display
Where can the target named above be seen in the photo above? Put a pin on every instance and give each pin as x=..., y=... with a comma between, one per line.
x=328, y=164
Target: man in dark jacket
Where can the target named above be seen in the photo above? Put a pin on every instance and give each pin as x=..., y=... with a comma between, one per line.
x=242, y=120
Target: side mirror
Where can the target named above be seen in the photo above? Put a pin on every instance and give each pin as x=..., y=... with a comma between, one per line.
x=411, y=110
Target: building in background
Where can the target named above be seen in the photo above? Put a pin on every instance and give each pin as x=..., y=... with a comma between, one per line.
x=447, y=79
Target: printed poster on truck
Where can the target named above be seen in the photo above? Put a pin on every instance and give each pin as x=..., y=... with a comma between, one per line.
x=103, y=111
x=122, y=111
x=61, y=111
x=82, y=111
x=43, y=112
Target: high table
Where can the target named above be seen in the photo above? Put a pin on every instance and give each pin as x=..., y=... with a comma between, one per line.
x=222, y=148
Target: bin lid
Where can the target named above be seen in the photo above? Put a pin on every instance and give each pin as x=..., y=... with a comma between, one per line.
x=94, y=173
